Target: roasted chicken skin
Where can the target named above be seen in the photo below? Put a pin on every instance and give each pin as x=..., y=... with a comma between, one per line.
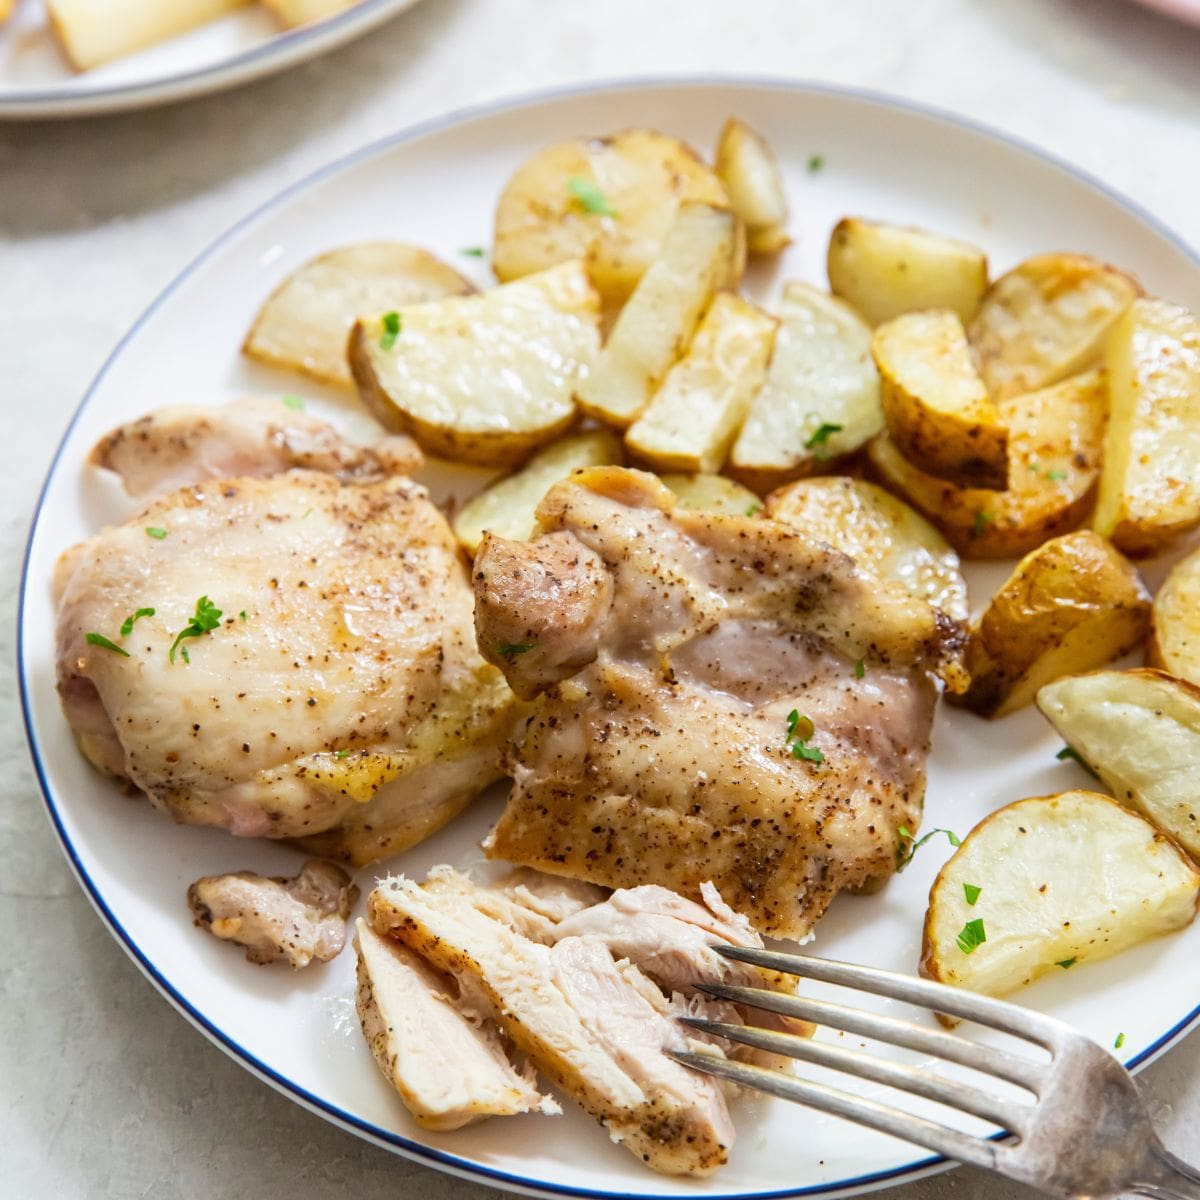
x=664, y=747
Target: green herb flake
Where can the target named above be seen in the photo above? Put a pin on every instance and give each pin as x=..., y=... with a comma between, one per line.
x=971, y=891
x=1056, y=476
x=391, y=330
x=981, y=522
x=860, y=669
x=799, y=730
x=293, y=402
x=242, y=614
x=1119, y=1042
x=98, y=639
x=823, y=433
x=815, y=163
x=472, y=252
x=133, y=618
x=972, y=936
x=905, y=856
x=754, y=508
x=512, y=649
x=591, y=198
x=204, y=620
x=342, y=754
x=156, y=532
x=1066, y=963
x=1070, y=753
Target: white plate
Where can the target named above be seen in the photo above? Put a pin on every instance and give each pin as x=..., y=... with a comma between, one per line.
x=36, y=81
x=436, y=185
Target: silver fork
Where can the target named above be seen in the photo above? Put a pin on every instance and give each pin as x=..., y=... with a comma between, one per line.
x=1085, y=1134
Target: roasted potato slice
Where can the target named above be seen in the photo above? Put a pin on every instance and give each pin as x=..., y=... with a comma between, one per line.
x=937, y=410
x=694, y=416
x=609, y=201
x=507, y=506
x=482, y=379
x=1056, y=881
x=881, y=533
x=92, y=34
x=1055, y=437
x=820, y=400
x=1070, y=605
x=306, y=321
x=6, y=8
x=1150, y=483
x=656, y=325
x=1046, y=320
x=746, y=165
x=1175, y=622
x=1140, y=732
x=291, y=13
x=714, y=494
x=885, y=270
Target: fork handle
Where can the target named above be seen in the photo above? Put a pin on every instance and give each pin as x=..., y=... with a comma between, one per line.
x=1173, y=1179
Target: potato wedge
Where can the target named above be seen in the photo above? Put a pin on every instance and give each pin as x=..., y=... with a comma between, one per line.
x=291, y=13
x=6, y=9
x=694, y=416
x=1046, y=320
x=937, y=410
x=482, y=379
x=820, y=400
x=1140, y=732
x=1071, y=605
x=1150, y=484
x=92, y=34
x=714, y=494
x=1175, y=622
x=1062, y=880
x=507, y=506
x=609, y=201
x=885, y=270
x=746, y=165
x=1055, y=437
x=881, y=533
x=306, y=321
x=656, y=325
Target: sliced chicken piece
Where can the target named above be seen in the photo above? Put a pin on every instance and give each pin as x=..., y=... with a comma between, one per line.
x=308, y=670
x=670, y=744
x=578, y=1018
x=187, y=444
x=448, y=1069
x=294, y=919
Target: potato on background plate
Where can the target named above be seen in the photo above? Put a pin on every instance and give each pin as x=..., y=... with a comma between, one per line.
x=1140, y=732
x=483, y=379
x=1175, y=622
x=1070, y=605
x=291, y=13
x=746, y=165
x=1048, y=884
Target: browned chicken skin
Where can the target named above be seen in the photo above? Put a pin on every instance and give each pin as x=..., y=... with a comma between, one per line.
x=660, y=751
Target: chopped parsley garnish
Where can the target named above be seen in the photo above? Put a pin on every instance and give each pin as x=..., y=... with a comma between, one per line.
x=1066, y=963
x=904, y=857
x=293, y=402
x=591, y=198
x=342, y=754
x=815, y=163
x=1056, y=476
x=822, y=434
x=1119, y=1042
x=753, y=509
x=472, y=252
x=156, y=532
x=205, y=619
x=391, y=330
x=98, y=639
x=242, y=614
x=131, y=620
x=512, y=649
x=799, y=730
x=971, y=891
x=1068, y=752
x=982, y=519
x=860, y=669
x=972, y=936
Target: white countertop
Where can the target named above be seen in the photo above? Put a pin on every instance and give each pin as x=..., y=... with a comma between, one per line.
x=105, y=1092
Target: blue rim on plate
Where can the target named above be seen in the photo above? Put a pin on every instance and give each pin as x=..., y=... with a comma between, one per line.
x=373, y=1133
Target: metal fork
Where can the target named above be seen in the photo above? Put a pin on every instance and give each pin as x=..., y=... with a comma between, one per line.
x=1085, y=1134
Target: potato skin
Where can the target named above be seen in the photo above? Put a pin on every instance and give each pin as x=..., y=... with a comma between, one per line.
x=1175, y=623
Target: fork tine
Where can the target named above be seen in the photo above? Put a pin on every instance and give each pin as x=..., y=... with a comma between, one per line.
x=1022, y=1071
x=938, y=1138
x=954, y=1002
x=1003, y=1112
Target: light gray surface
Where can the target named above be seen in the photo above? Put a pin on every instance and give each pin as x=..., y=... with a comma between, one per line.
x=104, y=1091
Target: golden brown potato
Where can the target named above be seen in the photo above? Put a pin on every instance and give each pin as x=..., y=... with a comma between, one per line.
x=305, y=323
x=937, y=410
x=657, y=323
x=694, y=416
x=1048, y=884
x=881, y=533
x=1071, y=605
x=746, y=165
x=507, y=507
x=1175, y=622
x=885, y=270
x=6, y=8
x=1140, y=732
x=820, y=401
x=1055, y=437
x=609, y=201
x=1150, y=484
x=291, y=13
x=482, y=379
x=1046, y=320
x=714, y=494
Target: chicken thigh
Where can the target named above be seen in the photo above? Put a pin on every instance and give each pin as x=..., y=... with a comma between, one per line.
x=721, y=699
x=289, y=657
